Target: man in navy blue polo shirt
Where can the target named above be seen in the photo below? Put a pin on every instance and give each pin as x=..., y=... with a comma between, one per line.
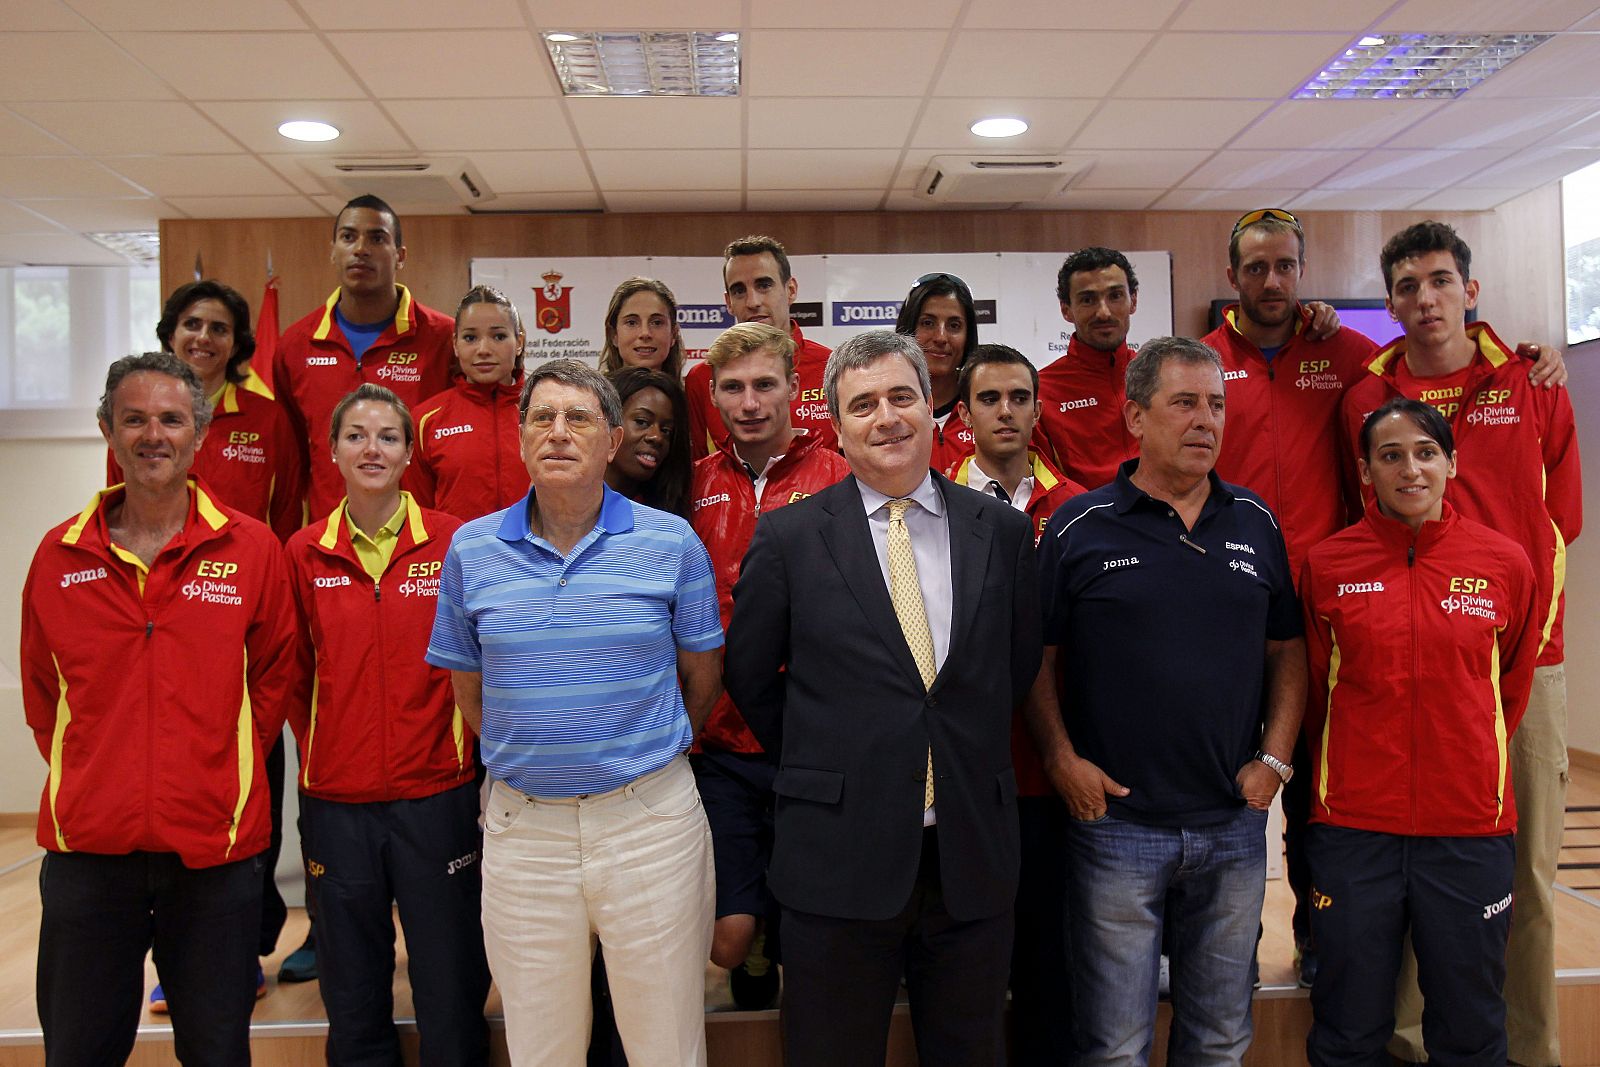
x=1166, y=710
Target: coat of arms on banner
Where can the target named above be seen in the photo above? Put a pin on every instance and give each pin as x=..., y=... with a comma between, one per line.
x=553, y=304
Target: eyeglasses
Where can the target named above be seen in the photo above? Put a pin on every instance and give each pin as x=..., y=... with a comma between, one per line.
x=941, y=276
x=1250, y=218
x=579, y=420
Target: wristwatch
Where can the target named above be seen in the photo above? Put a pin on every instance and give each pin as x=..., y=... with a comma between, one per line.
x=1284, y=771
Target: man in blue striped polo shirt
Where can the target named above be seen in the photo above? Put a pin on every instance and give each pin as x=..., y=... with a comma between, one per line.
x=567, y=622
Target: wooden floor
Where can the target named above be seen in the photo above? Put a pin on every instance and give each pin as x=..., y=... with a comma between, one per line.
x=290, y=1017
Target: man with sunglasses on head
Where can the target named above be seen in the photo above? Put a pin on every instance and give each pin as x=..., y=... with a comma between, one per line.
x=583, y=640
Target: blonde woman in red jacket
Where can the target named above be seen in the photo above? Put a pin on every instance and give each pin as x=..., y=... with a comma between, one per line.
x=388, y=801
x=1422, y=628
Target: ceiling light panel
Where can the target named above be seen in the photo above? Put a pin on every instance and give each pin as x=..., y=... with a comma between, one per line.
x=619, y=63
x=1416, y=65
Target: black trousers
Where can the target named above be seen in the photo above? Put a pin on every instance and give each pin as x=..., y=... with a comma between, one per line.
x=1041, y=986
x=422, y=856
x=1454, y=895
x=101, y=914
x=1296, y=821
x=274, y=912
x=841, y=977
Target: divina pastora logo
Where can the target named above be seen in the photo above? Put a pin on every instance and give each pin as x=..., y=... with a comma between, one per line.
x=552, y=311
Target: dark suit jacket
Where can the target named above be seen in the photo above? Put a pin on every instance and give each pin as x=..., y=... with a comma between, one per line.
x=818, y=665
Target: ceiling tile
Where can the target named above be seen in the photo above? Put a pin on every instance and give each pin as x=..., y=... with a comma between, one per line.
x=856, y=168
x=665, y=122
x=829, y=122
x=1481, y=122
x=1355, y=199
x=876, y=63
x=19, y=138
x=1037, y=63
x=533, y=172
x=412, y=14
x=126, y=127
x=448, y=63
x=169, y=176
x=1222, y=199
x=841, y=14
x=1392, y=168
x=813, y=200
x=1334, y=123
x=1530, y=168
x=635, y=14
x=467, y=125
x=102, y=215
x=246, y=66
x=1585, y=134
x=1055, y=15
x=1167, y=123
x=362, y=127
x=695, y=169
x=60, y=177
x=13, y=219
x=191, y=14
x=1247, y=168
x=1348, y=17
x=1454, y=16
x=1269, y=65
x=947, y=124
x=664, y=201
x=246, y=207
x=1139, y=168
x=588, y=201
x=64, y=249
x=905, y=201
x=42, y=15
x=1466, y=199
x=31, y=66
x=1096, y=200
x=1561, y=67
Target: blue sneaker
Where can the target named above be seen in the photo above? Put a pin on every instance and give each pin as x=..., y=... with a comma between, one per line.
x=158, y=1001
x=301, y=964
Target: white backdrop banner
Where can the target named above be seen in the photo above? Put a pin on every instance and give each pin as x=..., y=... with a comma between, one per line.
x=563, y=298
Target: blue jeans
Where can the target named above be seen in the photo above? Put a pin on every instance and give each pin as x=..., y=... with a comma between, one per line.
x=1122, y=879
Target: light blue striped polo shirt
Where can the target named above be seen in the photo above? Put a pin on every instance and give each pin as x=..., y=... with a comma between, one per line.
x=579, y=655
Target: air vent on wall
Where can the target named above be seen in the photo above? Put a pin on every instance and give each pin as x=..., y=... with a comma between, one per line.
x=997, y=179
x=409, y=185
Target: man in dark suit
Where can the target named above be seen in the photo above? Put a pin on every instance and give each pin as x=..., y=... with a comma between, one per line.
x=884, y=627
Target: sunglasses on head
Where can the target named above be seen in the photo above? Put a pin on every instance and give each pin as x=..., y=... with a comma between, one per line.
x=1250, y=218
x=941, y=276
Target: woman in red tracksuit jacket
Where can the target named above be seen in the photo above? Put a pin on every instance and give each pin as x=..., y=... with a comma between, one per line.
x=388, y=800
x=1422, y=629
x=940, y=314
x=466, y=462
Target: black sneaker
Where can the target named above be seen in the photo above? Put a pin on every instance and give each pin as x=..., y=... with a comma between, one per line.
x=301, y=964
x=1305, y=965
x=754, y=983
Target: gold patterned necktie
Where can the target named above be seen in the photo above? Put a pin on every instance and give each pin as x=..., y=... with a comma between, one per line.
x=906, y=594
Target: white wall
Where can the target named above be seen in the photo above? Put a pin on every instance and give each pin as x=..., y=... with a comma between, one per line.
x=1583, y=561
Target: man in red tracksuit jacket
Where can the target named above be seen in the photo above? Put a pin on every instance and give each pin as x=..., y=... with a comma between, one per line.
x=1518, y=473
x=758, y=287
x=999, y=401
x=369, y=330
x=764, y=462
x=157, y=660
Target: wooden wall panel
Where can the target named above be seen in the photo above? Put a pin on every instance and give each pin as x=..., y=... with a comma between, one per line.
x=1517, y=248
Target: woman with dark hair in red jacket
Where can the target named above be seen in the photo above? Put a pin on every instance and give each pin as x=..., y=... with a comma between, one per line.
x=1422, y=630
x=388, y=795
x=466, y=462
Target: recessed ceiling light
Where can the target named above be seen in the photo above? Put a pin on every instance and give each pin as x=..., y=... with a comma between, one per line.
x=308, y=130
x=1417, y=65
x=999, y=127
x=646, y=63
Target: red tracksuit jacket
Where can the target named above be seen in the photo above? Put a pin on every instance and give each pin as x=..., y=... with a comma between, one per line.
x=374, y=720
x=1422, y=648
x=314, y=369
x=808, y=412
x=466, y=461
x=724, y=517
x=1081, y=428
x=1281, y=438
x=1517, y=467
x=1051, y=489
x=155, y=711
x=251, y=458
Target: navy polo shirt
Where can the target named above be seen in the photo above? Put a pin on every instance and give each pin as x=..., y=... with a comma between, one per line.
x=1161, y=634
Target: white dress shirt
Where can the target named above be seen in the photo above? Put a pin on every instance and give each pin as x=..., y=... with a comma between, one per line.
x=977, y=479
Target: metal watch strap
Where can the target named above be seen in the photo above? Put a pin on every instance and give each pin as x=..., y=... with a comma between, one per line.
x=1283, y=770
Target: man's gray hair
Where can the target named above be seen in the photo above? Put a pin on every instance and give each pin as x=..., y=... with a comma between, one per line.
x=865, y=349
x=1144, y=370
x=579, y=376
x=158, y=363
